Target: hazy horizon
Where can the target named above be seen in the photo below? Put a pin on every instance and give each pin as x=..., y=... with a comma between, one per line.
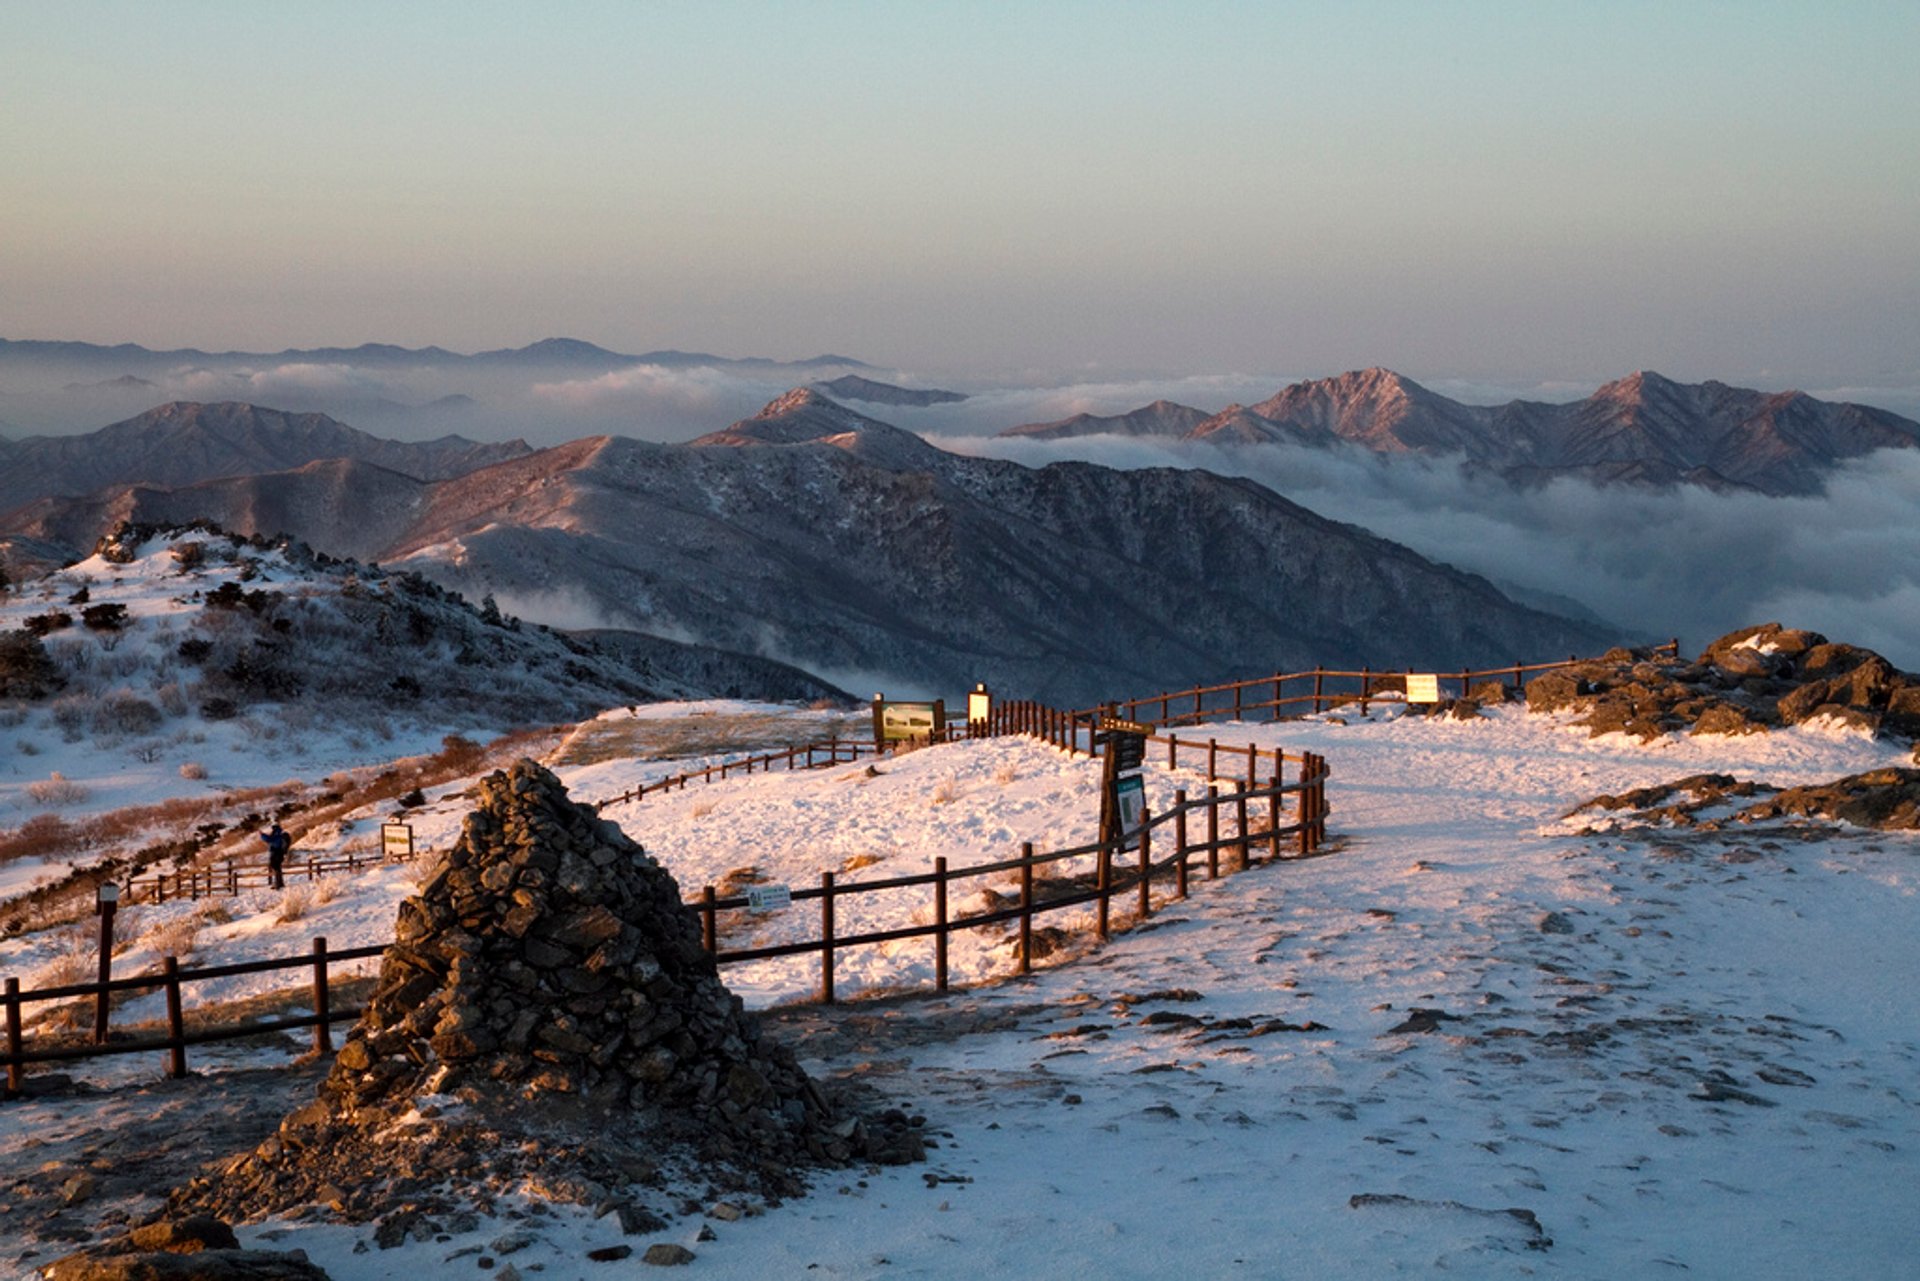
x=1498, y=192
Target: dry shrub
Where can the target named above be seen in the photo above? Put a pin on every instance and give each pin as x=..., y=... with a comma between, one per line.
x=299, y=899
x=193, y=770
x=738, y=879
x=42, y=836
x=1005, y=774
x=57, y=789
x=946, y=792
x=702, y=808
x=858, y=861
x=177, y=936
x=126, y=927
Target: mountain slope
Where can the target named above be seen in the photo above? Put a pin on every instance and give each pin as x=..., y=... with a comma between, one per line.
x=1161, y=418
x=186, y=442
x=815, y=535
x=854, y=387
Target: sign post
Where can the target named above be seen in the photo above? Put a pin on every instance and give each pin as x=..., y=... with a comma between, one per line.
x=899, y=722
x=396, y=842
x=1123, y=797
x=107, y=900
x=979, y=709
x=1423, y=687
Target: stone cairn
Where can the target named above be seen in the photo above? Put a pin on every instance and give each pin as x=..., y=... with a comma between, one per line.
x=547, y=1017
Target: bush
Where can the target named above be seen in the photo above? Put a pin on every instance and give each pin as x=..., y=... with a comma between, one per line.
x=194, y=649
x=127, y=713
x=26, y=671
x=189, y=556
x=219, y=709
x=56, y=789
x=51, y=621
x=105, y=617
x=192, y=770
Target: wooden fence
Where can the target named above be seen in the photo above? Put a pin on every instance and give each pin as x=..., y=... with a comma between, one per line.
x=231, y=876
x=1227, y=829
x=172, y=979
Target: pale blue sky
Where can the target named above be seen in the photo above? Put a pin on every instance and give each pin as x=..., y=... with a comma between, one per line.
x=1527, y=190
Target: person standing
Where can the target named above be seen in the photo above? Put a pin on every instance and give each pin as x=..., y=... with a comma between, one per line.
x=278, y=843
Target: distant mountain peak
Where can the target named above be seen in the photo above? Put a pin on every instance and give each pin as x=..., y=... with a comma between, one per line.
x=854, y=387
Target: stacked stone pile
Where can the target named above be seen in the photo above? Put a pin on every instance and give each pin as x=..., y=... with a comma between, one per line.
x=547, y=1012
x=1750, y=680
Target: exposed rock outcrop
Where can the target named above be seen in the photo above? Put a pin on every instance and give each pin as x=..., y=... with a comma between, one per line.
x=1749, y=680
x=547, y=1012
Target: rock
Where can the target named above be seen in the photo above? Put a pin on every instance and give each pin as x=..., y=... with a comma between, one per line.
x=610, y=1253
x=1422, y=1020
x=185, y=1236
x=78, y=1190
x=1555, y=923
x=1726, y=718
x=206, y=1265
x=552, y=981
x=665, y=1254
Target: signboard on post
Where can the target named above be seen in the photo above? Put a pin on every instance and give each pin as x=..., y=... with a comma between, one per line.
x=768, y=898
x=396, y=842
x=895, y=722
x=979, y=705
x=1423, y=687
x=1130, y=808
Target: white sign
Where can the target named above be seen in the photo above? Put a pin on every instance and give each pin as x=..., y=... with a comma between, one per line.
x=768, y=898
x=1130, y=802
x=396, y=841
x=979, y=705
x=1423, y=687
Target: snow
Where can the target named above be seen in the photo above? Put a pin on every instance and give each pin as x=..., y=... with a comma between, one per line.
x=1605, y=990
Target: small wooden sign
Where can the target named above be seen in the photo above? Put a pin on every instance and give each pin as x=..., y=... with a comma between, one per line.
x=1423, y=687
x=396, y=841
x=768, y=898
x=1130, y=804
x=1114, y=725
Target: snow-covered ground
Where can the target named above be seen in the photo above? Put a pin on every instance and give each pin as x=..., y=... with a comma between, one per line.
x=1674, y=1051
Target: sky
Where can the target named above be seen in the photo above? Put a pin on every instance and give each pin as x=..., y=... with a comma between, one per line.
x=1469, y=190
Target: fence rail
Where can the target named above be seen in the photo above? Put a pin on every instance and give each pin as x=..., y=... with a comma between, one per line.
x=1289, y=694
x=231, y=876
x=1231, y=835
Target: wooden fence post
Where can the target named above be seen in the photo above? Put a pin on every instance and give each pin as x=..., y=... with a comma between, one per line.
x=940, y=923
x=1213, y=831
x=176, y=1021
x=1366, y=686
x=1146, y=872
x=322, y=1003
x=16, y=1071
x=826, y=938
x=1213, y=756
x=1304, y=806
x=1318, y=674
x=709, y=922
x=1104, y=884
x=1240, y=816
x=1273, y=820
x=1026, y=907
x=1180, y=843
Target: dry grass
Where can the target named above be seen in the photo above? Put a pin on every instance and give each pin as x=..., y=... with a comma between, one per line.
x=1006, y=774
x=702, y=808
x=296, y=901
x=175, y=937
x=945, y=792
x=56, y=790
x=192, y=770
x=858, y=861
x=711, y=734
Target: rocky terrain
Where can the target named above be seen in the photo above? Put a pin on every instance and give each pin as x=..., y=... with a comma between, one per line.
x=1643, y=428
x=1749, y=680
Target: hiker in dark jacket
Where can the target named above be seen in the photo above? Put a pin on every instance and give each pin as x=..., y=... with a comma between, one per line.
x=278, y=843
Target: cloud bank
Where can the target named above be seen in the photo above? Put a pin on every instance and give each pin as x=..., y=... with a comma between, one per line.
x=1684, y=562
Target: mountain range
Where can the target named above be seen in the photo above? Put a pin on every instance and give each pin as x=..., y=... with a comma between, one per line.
x=185, y=442
x=547, y=353
x=854, y=387
x=1643, y=428
x=814, y=535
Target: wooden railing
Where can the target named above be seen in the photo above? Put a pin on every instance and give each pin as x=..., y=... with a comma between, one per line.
x=232, y=876
x=821, y=754
x=172, y=979
x=1292, y=694
x=1224, y=828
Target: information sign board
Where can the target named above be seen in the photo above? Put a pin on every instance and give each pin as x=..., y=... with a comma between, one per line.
x=1423, y=687
x=396, y=842
x=768, y=898
x=1130, y=804
x=895, y=721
